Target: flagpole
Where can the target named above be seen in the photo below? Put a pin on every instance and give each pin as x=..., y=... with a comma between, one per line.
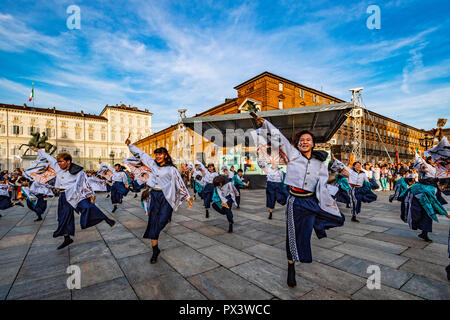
x=33, y=93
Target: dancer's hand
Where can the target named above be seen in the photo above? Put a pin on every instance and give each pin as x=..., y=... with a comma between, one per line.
x=333, y=157
x=127, y=142
x=225, y=205
x=190, y=201
x=259, y=120
x=35, y=149
x=93, y=199
x=247, y=184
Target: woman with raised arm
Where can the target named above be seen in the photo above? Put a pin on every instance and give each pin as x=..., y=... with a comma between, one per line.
x=310, y=204
x=207, y=181
x=360, y=186
x=167, y=192
x=120, y=185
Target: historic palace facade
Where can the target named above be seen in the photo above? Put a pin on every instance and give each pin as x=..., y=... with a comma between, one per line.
x=88, y=138
x=268, y=91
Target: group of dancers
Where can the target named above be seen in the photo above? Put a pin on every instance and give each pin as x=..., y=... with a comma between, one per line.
x=305, y=190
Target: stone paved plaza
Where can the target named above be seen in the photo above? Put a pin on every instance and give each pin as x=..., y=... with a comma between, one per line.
x=199, y=260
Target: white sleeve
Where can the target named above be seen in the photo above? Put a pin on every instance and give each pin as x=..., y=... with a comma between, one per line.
x=53, y=162
x=278, y=140
x=124, y=178
x=143, y=156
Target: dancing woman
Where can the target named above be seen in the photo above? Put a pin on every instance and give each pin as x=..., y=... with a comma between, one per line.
x=120, y=185
x=309, y=206
x=208, y=189
x=275, y=189
x=5, y=195
x=167, y=192
x=360, y=186
x=223, y=198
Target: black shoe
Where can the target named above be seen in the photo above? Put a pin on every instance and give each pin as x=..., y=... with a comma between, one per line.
x=347, y=205
x=135, y=195
x=230, y=228
x=38, y=219
x=207, y=214
x=238, y=207
x=424, y=236
x=291, y=282
x=111, y=222
x=270, y=215
x=1, y=216
x=448, y=272
x=154, y=257
x=107, y=196
x=114, y=210
x=66, y=242
x=354, y=219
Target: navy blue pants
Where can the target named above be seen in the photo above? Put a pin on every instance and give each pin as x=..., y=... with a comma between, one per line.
x=343, y=196
x=159, y=215
x=40, y=206
x=360, y=195
x=90, y=216
x=420, y=219
x=5, y=202
x=207, y=194
x=275, y=192
x=118, y=191
x=225, y=211
x=303, y=214
x=137, y=187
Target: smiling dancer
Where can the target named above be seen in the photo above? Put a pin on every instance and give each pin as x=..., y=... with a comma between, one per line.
x=310, y=205
x=75, y=194
x=167, y=192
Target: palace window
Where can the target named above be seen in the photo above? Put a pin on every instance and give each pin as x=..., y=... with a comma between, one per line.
x=280, y=104
x=103, y=136
x=32, y=130
x=64, y=134
x=280, y=86
x=301, y=93
x=17, y=130
x=77, y=134
x=146, y=123
x=91, y=135
x=2, y=128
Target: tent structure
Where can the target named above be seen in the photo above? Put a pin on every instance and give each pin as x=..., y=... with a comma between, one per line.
x=322, y=121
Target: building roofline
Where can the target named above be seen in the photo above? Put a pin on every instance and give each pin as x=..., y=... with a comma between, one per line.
x=123, y=107
x=230, y=101
x=272, y=75
x=52, y=111
x=393, y=120
x=156, y=133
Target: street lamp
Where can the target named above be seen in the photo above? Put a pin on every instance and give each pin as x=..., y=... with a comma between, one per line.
x=111, y=155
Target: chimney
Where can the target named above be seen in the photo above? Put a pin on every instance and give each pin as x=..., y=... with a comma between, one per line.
x=181, y=114
x=54, y=109
x=82, y=113
x=24, y=105
x=146, y=110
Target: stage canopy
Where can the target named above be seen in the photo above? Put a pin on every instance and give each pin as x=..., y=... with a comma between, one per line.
x=322, y=121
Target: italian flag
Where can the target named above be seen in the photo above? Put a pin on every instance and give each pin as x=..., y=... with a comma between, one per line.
x=31, y=95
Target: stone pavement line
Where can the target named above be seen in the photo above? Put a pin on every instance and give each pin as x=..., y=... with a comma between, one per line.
x=413, y=268
x=31, y=243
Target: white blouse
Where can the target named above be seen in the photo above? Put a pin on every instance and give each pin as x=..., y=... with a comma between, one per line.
x=166, y=178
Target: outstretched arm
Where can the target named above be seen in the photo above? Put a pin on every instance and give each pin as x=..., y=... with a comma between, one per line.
x=52, y=161
x=143, y=156
x=277, y=140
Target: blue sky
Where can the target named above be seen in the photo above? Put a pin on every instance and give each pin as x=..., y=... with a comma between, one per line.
x=166, y=55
